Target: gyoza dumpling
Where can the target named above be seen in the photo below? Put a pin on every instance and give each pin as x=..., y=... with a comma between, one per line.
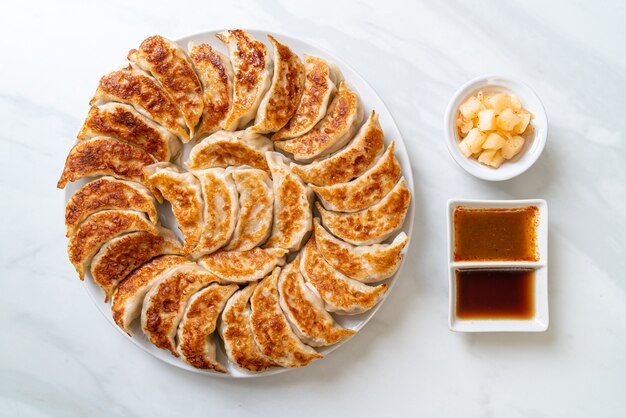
x=332, y=132
x=319, y=87
x=99, y=228
x=236, y=333
x=165, y=303
x=123, y=122
x=184, y=192
x=374, y=224
x=216, y=76
x=272, y=333
x=102, y=157
x=365, y=190
x=196, y=342
x=340, y=293
x=350, y=162
x=169, y=64
x=243, y=266
x=223, y=149
x=108, y=193
x=120, y=256
x=282, y=99
x=133, y=86
x=221, y=208
x=256, y=205
x=367, y=264
x=292, y=206
x=305, y=310
x=129, y=295
x=252, y=68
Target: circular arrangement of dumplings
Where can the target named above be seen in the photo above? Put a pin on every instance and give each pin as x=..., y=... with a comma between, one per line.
x=272, y=140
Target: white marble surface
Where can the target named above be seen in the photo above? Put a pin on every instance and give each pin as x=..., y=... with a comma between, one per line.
x=59, y=357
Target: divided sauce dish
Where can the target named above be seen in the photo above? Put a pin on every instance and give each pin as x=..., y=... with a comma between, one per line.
x=539, y=318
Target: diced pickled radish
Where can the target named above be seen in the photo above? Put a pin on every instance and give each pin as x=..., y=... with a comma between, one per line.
x=494, y=141
x=487, y=120
x=475, y=140
x=512, y=147
x=498, y=102
x=464, y=125
x=507, y=120
x=490, y=126
x=471, y=107
x=465, y=149
x=516, y=105
x=523, y=123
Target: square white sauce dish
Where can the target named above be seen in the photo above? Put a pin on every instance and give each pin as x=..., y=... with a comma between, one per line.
x=498, y=265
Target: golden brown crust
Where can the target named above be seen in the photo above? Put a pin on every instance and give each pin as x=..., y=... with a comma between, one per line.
x=243, y=266
x=103, y=156
x=340, y=293
x=100, y=228
x=272, y=333
x=223, y=149
x=237, y=335
x=120, y=256
x=184, y=193
x=305, y=310
x=251, y=67
x=107, y=193
x=292, y=206
x=331, y=133
x=318, y=89
x=283, y=97
x=165, y=303
x=135, y=87
x=256, y=204
x=128, y=296
x=364, y=191
x=215, y=73
x=374, y=224
x=221, y=207
x=364, y=263
x=123, y=122
x=350, y=162
x=168, y=63
x=195, y=343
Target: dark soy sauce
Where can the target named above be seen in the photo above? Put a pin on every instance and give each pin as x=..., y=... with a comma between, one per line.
x=495, y=293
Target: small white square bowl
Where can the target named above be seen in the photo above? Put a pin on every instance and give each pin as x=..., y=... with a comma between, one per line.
x=541, y=319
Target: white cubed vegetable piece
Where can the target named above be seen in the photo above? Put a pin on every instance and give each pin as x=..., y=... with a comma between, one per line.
x=470, y=108
x=487, y=120
x=486, y=156
x=523, y=123
x=464, y=125
x=465, y=149
x=491, y=157
x=516, y=105
x=494, y=141
x=497, y=159
x=498, y=102
x=507, y=120
x=512, y=147
x=475, y=140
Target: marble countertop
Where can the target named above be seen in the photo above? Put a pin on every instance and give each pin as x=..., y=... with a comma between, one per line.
x=60, y=357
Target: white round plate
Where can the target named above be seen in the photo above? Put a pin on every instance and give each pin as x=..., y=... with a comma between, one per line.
x=370, y=101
